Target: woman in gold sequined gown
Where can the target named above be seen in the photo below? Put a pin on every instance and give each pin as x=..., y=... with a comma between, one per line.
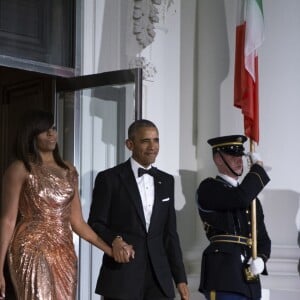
x=41, y=192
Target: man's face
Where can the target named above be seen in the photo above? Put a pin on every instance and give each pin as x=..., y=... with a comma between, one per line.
x=235, y=163
x=144, y=145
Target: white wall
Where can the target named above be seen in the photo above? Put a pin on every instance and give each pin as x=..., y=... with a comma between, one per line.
x=279, y=62
x=191, y=99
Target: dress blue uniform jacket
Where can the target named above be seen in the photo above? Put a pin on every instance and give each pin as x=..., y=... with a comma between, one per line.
x=225, y=210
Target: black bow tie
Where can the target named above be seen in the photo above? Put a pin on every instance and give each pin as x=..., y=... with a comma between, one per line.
x=142, y=171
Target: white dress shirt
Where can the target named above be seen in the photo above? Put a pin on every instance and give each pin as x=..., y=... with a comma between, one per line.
x=230, y=180
x=146, y=187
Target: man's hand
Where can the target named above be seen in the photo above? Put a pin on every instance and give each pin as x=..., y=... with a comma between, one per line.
x=255, y=158
x=256, y=265
x=183, y=291
x=122, y=252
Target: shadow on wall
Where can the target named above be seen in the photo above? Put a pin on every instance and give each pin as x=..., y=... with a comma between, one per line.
x=186, y=212
x=282, y=218
x=298, y=228
x=299, y=247
x=281, y=208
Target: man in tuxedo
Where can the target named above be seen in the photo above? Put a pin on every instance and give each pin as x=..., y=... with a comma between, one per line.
x=228, y=271
x=133, y=210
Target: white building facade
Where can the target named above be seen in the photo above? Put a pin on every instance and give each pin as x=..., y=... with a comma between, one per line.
x=188, y=60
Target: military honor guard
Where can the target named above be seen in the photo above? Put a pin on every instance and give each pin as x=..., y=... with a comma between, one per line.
x=229, y=269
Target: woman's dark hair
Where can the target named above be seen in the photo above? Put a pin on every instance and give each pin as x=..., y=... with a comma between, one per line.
x=32, y=124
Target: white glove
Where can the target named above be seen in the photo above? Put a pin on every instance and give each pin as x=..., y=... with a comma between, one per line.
x=267, y=168
x=256, y=266
x=254, y=157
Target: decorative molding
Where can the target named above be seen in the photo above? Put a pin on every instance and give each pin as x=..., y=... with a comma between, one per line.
x=149, y=69
x=145, y=14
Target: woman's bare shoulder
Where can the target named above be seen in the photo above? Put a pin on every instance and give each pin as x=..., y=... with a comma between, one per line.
x=16, y=169
x=71, y=167
x=69, y=164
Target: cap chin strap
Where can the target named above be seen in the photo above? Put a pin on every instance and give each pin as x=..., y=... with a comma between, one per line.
x=227, y=165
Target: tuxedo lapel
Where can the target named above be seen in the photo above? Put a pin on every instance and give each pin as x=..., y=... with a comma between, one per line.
x=131, y=185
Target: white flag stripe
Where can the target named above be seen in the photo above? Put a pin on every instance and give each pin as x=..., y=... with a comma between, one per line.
x=254, y=34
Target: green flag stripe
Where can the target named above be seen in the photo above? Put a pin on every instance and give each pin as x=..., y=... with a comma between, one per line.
x=260, y=5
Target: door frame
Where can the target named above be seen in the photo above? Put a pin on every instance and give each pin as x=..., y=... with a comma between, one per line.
x=86, y=254
x=117, y=77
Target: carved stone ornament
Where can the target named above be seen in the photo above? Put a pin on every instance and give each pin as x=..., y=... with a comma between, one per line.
x=145, y=14
x=149, y=69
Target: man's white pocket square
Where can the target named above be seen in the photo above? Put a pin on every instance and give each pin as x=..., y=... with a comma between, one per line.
x=166, y=199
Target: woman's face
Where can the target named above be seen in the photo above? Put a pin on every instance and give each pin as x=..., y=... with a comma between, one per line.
x=46, y=141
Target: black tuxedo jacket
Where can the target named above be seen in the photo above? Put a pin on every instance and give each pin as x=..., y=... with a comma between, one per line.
x=117, y=210
x=225, y=209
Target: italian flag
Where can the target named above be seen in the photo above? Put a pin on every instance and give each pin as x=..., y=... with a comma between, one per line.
x=249, y=37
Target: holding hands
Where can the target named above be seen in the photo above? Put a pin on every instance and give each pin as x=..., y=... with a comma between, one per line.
x=122, y=252
x=2, y=287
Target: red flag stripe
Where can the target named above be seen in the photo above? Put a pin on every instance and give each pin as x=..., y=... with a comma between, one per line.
x=245, y=88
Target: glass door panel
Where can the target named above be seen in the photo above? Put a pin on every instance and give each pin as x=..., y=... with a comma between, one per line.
x=93, y=122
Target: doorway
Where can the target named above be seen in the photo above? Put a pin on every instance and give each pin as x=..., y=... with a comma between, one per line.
x=20, y=92
x=100, y=108
x=92, y=114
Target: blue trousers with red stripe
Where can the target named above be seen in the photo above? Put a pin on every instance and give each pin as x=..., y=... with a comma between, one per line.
x=225, y=296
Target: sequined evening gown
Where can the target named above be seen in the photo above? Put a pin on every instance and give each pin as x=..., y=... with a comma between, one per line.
x=42, y=258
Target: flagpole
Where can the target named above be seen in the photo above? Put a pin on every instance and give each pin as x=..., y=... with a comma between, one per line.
x=253, y=216
x=250, y=277
x=249, y=37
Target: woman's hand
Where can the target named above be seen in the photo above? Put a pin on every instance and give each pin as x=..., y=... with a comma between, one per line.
x=2, y=287
x=122, y=252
